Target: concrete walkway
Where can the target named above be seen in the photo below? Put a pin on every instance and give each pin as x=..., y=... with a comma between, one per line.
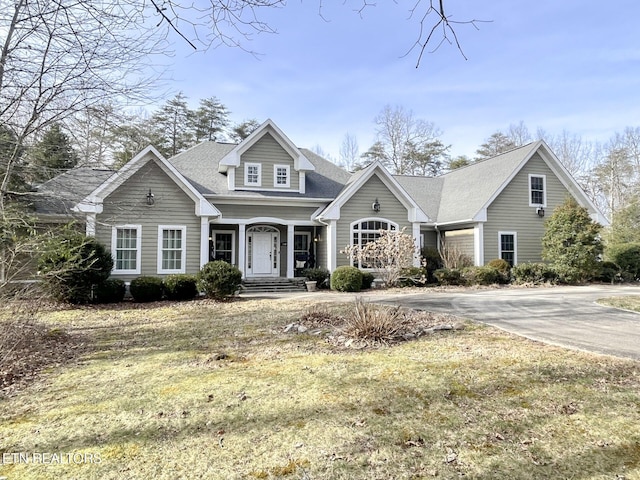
x=565, y=316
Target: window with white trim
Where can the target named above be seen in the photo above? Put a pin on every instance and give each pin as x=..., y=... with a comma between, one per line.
x=253, y=174
x=223, y=246
x=368, y=230
x=172, y=252
x=507, y=247
x=125, y=248
x=281, y=176
x=537, y=191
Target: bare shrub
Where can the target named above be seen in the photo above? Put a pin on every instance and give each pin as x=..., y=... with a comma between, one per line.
x=320, y=314
x=453, y=257
x=374, y=322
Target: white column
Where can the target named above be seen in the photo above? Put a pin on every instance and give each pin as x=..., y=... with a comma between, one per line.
x=332, y=245
x=290, y=256
x=91, y=225
x=478, y=244
x=416, y=240
x=242, y=248
x=204, y=240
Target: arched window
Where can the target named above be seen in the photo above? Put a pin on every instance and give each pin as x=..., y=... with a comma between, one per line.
x=367, y=230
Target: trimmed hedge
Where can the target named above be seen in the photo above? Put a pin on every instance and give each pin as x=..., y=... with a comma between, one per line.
x=412, y=276
x=318, y=275
x=485, y=275
x=111, y=290
x=627, y=257
x=449, y=276
x=367, y=280
x=346, y=279
x=535, y=273
x=146, y=289
x=181, y=287
x=219, y=279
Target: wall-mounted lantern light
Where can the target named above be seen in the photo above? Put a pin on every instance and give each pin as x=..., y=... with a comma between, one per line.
x=540, y=212
x=376, y=206
x=150, y=199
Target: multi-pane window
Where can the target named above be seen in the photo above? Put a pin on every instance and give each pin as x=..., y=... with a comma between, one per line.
x=368, y=231
x=252, y=173
x=536, y=189
x=508, y=247
x=281, y=175
x=126, y=249
x=171, y=249
x=222, y=247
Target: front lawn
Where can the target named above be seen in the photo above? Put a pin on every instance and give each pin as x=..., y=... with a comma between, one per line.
x=205, y=390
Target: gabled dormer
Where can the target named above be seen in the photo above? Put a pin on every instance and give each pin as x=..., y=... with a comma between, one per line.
x=267, y=161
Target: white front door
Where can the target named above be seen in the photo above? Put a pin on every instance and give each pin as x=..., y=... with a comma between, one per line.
x=262, y=251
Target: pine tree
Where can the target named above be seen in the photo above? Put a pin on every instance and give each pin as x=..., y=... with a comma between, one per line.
x=51, y=156
x=210, y=119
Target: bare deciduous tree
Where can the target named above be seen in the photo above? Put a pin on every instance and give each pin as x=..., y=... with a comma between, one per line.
x=349, y=152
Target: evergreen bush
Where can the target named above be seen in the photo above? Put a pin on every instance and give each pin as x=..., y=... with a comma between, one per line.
x=181, y=287
x=449, y=276
x=485, y=275
x=533, y=273
x=346, y=279
x=433, y=261
x=367, y=280
x=503, y=267
x=412, y=276
x=219, y=279
x=111, y=290
x=146, y=289
x=627, y=257
x=70, y=264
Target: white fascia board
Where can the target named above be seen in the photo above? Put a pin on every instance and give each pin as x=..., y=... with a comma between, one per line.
x=274, y=201
x=481, y=216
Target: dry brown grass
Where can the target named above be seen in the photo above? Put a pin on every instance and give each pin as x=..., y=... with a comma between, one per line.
x=219, y=391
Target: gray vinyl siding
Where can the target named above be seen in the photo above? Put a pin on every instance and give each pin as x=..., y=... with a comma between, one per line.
x=267, y=152
x=510, y=212
x=127, y=206
x=359, y=207
x=287, y=213
x=462, y=240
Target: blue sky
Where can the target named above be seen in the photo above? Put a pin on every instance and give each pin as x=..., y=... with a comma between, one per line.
x=556, y=64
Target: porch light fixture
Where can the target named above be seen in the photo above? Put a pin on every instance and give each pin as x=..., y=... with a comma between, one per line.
x=376, y=206
x=540, y=212
x=150, y=199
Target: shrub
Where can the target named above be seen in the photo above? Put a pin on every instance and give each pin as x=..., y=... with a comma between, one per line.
x=146, y=289
x=71, y=263
x=534, y=273
x=432, y=261
x=449, y=276
x=626, y=256
x=181, y=287
x=367, y=280
x=412, y=276
x=111, y=290
x=373, y=322
x=611, y=273
x=346, y=279
x=503, y=267
x=485, y=275
x=318, y=275
x=219, y=279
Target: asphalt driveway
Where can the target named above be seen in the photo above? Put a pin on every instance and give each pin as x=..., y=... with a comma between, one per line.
x=566, y=316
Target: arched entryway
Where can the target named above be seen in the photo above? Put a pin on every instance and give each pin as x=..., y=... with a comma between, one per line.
x=263, y=251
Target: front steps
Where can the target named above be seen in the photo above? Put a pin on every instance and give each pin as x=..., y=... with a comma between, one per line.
x=273, y=284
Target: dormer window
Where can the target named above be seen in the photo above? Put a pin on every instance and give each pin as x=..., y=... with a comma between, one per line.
x=253, y=174
x=281, y=176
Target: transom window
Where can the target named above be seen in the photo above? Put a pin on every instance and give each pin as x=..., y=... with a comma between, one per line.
x=125, y=248
x=171, y=249
x=537, y=191
x=281, y=175
x=253, y=174
x=507, y=246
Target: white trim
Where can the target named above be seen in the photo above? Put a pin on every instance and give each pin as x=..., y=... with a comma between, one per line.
x=242, y=247
x=233, y=242
x=544, y=190
x=204, y=241
x=183, y=248
x=515, y=245
x=414, y=212
x=275, y=252
x=287, y=184
x=369, y=219
x=418, y=239
x=90, y=228
x=114, y=253
x=290, y=256
x=247, y=183
x=478, y=244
